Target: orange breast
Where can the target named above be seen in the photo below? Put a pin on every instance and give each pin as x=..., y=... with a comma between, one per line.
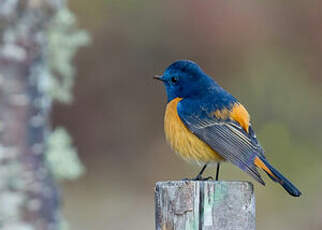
x=182, y=141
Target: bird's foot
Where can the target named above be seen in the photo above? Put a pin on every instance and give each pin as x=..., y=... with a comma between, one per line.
x=203, y=178
x=198, y=178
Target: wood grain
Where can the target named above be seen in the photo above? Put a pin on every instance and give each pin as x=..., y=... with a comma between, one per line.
x=206, y=205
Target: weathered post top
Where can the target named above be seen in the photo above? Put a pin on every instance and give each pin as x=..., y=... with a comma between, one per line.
x=206, y=205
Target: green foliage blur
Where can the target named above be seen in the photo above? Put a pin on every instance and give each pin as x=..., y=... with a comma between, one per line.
x=266, y=53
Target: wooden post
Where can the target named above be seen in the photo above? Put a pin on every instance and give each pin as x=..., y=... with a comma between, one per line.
x=204, y=205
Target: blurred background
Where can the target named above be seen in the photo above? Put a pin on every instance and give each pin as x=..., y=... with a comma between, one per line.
x=267, y=54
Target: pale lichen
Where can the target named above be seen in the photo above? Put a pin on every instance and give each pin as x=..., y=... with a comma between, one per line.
x=18, y=226
x=62, y=157
x=64, y=39
x=12, y=191
x=10, y=204
x=63, y=223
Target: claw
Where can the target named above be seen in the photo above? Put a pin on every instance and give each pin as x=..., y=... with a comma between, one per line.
x=198, y=178
x=208, y=178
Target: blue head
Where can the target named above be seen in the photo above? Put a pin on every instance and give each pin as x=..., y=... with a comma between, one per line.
x=184, y=79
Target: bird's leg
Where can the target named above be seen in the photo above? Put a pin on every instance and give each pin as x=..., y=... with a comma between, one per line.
x=217, y=171
x=199, y=176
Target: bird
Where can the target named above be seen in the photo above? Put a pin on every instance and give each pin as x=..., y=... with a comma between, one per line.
x=205, y=124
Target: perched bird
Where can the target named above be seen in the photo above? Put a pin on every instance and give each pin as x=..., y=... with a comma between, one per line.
x=205, y=124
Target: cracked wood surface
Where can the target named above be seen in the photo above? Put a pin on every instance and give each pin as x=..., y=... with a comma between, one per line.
x=206, y=205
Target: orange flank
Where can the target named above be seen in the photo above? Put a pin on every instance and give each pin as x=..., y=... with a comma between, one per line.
x=240, y=114
x=260, y=164
x=183, y=141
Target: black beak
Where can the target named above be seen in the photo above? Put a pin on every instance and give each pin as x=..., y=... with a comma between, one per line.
x=157, y=77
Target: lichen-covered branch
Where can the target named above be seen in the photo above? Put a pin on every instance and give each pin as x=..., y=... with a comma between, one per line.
x=29, y=198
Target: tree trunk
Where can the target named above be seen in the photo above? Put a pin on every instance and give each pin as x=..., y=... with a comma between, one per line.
x=28, y=195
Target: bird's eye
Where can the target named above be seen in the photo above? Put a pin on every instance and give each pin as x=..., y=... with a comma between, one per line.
x=174, y=80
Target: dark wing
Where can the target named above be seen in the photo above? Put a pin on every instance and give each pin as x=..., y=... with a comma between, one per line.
x=228, y=139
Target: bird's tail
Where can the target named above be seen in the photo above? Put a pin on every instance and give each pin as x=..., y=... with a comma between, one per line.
x=276, y=176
